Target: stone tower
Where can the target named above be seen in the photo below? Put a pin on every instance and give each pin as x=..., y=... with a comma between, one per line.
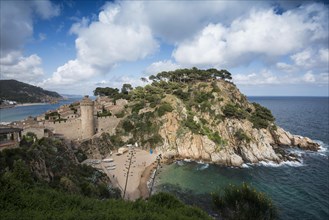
x=87, y=117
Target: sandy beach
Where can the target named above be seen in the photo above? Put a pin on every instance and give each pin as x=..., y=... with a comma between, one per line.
x=139, y=172
x=31, y=104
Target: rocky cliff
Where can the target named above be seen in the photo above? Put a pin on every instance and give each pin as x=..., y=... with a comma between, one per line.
x=204, y=118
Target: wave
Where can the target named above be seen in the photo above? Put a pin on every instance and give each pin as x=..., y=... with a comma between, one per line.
x=203, y=166
x=273, y=164
x=180, y=163
x=323, y=146
x=284, y=163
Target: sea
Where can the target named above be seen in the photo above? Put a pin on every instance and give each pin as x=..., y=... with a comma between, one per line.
x=18, y=113
x=299, y=190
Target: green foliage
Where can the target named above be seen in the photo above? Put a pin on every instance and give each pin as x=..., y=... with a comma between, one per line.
x=126, y=88
x=55, y=115
x=120, y=114
x=164, y=107
x=104, y=113
x=127, y=126
x=54, y=162
x=234, y=111
x=192, y=125
x=107, y=91
x=261, y=117
x=181, y=94
x=138, y=106
x=215, y=137
x=116, y=141
x=21, y=92
x=240, y=135
x=244, y=203
x=191, y=75
x=203, y=96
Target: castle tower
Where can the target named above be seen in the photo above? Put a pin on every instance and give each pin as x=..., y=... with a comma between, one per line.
x=87, y=117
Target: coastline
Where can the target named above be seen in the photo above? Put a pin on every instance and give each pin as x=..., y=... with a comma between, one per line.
x=139, y=174
x=146, y=176
x=31, y=104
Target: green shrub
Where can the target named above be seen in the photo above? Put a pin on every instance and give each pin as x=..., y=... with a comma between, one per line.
x=244, y=203
x=165, y=107
x=234, y=111
x=182, y=95
x=116, y=141
x=120, y=114
x=192, y=125
x=261, y=117
x=127, y=126
x=240, y=135
x=215, y=137
x=138, y=106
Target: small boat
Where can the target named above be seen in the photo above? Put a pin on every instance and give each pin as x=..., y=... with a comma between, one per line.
x=108, y=160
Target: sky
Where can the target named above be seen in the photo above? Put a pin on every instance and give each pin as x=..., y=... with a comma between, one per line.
x=272, y=48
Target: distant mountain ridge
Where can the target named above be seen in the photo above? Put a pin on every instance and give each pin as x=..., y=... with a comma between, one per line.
x=25, y=93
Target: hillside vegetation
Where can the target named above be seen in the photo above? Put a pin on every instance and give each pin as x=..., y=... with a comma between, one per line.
x=14, y=90
x=201, y=115
x=43, y=180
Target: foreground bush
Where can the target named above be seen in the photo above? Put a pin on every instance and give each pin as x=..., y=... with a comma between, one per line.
x=244, y=203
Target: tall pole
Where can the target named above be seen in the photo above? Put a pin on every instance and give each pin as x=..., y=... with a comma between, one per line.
x=130, y=160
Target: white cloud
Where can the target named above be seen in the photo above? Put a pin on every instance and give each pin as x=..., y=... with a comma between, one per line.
x=309, y=77
x=263, y=34
x=264, y=77
x=268, y=77
x=104, y=43
x=16, y=66
x=157, y=67
x=17, y=21
x=16, y=29
x=285, y=67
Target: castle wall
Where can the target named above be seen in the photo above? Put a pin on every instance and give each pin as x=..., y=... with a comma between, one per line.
x=70, y=129
x=107, y=124
x=39, y=131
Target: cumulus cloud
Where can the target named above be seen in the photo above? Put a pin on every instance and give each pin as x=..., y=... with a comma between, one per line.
x=17, y=21
x=262, y=34
x=102, y=44
x=16, y=24
x=16, y=66
x=157, y=67
x=268, y=77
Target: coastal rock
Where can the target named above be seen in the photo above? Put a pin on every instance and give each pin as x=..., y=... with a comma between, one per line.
x=305, y=143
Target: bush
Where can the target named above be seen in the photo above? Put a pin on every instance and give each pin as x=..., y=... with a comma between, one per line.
x=127, y=126
x=182, y=95
x=120, y=114
x=192, y=125
x=240, y=135
x=233, y=111
x=165, y=107
x=261, y=117
x=244, y=203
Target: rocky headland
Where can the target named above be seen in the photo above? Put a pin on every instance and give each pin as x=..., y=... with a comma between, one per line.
x=199, y=115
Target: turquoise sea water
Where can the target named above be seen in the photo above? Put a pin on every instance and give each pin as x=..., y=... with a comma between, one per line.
x=300, y=190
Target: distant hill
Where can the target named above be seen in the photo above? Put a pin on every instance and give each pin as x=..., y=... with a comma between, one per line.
x=24, y=93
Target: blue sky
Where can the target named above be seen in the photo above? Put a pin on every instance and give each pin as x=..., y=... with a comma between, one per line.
x=272, y=48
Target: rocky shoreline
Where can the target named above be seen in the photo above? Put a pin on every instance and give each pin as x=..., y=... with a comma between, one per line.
x=267, y=146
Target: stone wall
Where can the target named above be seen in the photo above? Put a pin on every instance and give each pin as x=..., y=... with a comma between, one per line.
x=71, y=129
x=107, y=124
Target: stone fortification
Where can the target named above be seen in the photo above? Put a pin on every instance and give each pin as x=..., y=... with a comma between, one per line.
x=87, y=117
